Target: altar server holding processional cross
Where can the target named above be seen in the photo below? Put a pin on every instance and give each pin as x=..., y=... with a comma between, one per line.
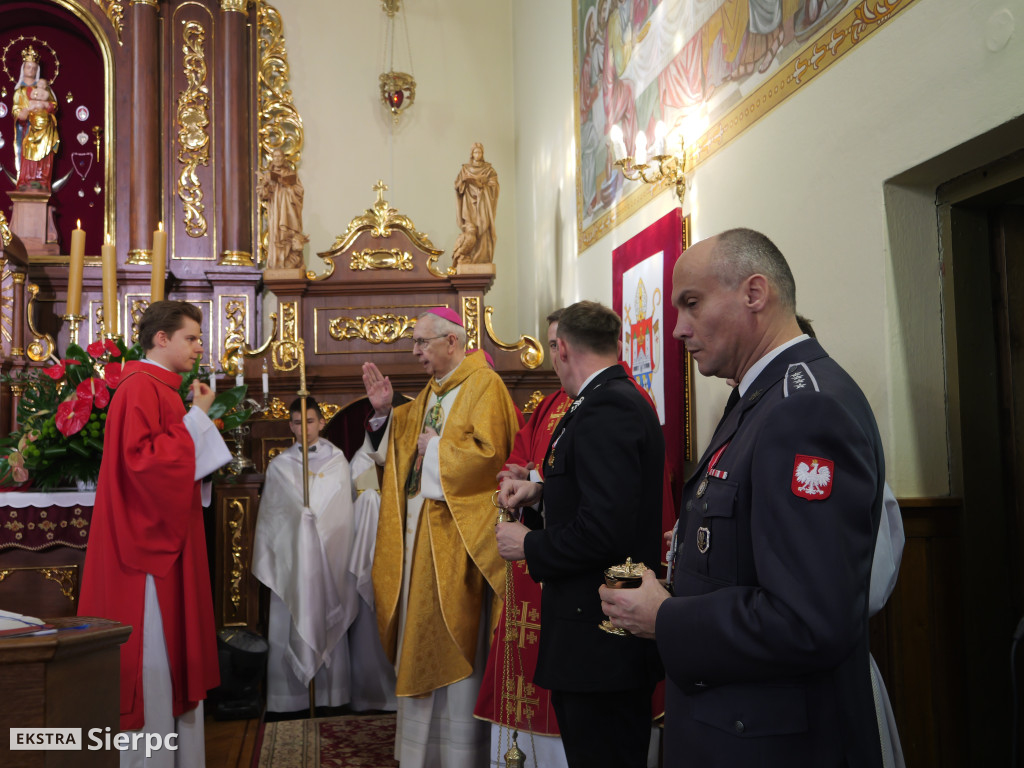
x=301, y=551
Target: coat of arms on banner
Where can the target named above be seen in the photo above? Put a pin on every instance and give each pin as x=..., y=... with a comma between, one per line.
x=642, y=343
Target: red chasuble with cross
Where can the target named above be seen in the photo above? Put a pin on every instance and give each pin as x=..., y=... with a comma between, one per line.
x=525, y=706
x=148, y=519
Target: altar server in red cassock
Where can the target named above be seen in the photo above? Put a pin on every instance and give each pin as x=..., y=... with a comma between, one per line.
x=146, y=563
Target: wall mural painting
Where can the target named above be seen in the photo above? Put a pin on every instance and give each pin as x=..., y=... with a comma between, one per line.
x=709, y=69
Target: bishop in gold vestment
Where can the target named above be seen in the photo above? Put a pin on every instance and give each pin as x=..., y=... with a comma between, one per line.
x=436, y=572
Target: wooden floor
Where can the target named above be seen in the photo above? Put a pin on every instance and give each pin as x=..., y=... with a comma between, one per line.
x=230, y=743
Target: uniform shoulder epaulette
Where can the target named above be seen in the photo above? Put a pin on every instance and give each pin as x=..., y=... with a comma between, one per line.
x=799, y=379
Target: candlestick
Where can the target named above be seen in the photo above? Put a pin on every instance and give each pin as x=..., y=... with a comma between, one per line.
x=73, y=322
x=156, y=280
x=75, y=269
x=109, y=287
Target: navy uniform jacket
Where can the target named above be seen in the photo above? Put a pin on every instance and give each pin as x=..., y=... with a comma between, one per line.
x=602, y=503
x=765, y=643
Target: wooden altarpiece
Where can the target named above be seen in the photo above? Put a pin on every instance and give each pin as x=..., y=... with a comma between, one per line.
x=378, y=277
x=158, y=95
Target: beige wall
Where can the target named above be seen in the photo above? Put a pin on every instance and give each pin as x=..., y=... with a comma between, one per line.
x=462, y=61
x=812, y=174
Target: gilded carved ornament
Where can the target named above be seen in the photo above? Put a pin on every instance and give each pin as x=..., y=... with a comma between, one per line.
x=531, y=352
x=234, y=336
x=368, y=258
x=471, y=320
x=241, y=6
x=380, y=220
x=42, y=345
x=114, y=10
x=5, y=231
x=535, y=399
x=235, y=521
x=376, y=329
x=280, y=125
x=193, y=121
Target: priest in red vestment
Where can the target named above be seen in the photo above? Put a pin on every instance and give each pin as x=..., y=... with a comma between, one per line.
x=146, y=562
x=526, y=706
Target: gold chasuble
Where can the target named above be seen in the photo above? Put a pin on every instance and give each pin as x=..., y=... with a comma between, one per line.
x=454, y=556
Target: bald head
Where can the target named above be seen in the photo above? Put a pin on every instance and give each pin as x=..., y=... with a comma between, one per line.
x=736, y=300
x=740, y=253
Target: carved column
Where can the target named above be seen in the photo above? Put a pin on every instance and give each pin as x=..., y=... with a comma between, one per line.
x=144, y=136
x=235, y=175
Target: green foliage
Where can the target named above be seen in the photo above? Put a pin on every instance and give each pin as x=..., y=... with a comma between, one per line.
x=38, y=453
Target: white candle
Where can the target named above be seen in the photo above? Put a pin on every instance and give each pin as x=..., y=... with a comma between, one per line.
x=213, y=382
x=239, y=378
x=266, y=378
x=618, y=145
x=660, y=131
x=640, y=155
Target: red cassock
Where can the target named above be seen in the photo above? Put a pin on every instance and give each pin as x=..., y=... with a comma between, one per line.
x=148, y=519
x=526, y=706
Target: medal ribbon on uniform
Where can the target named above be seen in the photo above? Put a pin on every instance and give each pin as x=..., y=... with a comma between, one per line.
x=720, y=474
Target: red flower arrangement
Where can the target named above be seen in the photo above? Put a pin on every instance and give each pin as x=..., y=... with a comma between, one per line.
x=63, y=410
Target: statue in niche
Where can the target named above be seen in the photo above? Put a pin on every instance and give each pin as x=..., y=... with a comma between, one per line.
x=280, y=187
x=35, y=122
x=476, y=197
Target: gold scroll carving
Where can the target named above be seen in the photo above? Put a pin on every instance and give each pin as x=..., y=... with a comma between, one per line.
x=531, y=352
x=234, y=336
x=379, y=221
x=376, y=329
x=193, y=139
x=138, y=309
x=235, y=521
x=114, y=10
x=369, y=258
x=471, y=321
x=42, y=345
x=280, y=125
x=535, y=399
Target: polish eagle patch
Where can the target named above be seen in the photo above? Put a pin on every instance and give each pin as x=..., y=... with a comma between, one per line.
x=812, y=477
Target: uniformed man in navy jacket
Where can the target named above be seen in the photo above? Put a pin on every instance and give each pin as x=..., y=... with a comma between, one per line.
x=764, y=636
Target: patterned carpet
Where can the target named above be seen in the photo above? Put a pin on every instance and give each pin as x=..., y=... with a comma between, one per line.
x=366, y=741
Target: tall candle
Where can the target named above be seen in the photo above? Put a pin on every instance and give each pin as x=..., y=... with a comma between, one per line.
x=156, y=280
x=213, y=381
x=266, y=378
x=109, y=287
x=75, y=269
x=239, y=377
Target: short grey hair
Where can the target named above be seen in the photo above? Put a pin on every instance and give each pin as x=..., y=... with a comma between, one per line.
x=740, y=253
x=442, y=326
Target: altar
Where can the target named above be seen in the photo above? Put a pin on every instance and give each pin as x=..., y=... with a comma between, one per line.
x=43, y=536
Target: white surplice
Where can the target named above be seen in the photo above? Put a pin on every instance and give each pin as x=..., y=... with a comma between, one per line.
x=302, y=553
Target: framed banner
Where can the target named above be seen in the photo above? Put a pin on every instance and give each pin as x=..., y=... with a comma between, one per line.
x=642, y=296
x=706, y=68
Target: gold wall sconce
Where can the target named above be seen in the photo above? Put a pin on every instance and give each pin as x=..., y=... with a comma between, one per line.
x=654, y=164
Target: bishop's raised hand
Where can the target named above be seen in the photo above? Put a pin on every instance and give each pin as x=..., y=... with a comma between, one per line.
x=378, y=389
